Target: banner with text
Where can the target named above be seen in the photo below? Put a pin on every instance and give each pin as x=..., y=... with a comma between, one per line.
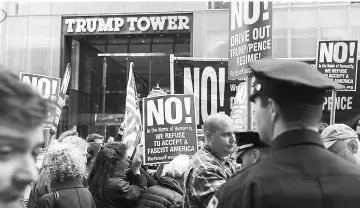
x=250, y=35
x=207, y=81
x=169, y=127
x=61, y=99
x=347, y=104
x=338, y=61
x=48, y=88
x=239, y=109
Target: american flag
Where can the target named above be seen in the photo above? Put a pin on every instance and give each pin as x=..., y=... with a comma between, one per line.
x=132, y=120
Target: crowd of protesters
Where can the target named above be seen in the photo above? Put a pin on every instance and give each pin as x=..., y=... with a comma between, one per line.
x=292, y=160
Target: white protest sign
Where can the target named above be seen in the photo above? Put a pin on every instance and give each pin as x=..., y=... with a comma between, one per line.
x=48, y=88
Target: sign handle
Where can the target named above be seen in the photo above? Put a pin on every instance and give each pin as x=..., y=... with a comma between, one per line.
x=333, y=107
x=172, y=88
x=249, y=110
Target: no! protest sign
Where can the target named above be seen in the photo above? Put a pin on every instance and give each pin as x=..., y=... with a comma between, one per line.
x=338, y=61
x=170, y=127
x=48, y=88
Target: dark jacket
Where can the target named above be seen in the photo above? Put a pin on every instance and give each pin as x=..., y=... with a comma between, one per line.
x=71, y=194
x=300, y=172
x=42, y=187
x=166, y=194
x=119, y=193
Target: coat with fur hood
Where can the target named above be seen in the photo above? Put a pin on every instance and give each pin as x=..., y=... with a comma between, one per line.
x=166, y=194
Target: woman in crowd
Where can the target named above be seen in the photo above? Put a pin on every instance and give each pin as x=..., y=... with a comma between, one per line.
x=66, y=167
x=92, y=152
x=107, y=180
x=169, y=191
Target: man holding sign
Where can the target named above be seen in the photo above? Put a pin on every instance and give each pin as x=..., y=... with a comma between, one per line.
x=209, y=168
x=300, y=172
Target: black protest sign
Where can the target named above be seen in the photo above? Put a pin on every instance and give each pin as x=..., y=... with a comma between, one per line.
x=207, y=81
x=169, y=127
x=250, y=35
x=347, y=103
x=48, y=88
x=338, y=61
x=239, y=108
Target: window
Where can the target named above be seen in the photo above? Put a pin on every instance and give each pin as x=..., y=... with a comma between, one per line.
x=355, y=35
x=218, y=5
x=217, y=44
x=336, y=33
x=279, y=43
x=333, y=17
x=303, y=42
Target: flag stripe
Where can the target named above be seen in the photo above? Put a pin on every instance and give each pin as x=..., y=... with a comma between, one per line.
x=132, y=113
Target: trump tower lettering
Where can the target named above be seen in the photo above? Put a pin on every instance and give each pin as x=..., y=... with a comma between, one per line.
x=128, y=24
x=338, y=61
x=207, y=81
x=169, y=127
x=48, y=88
x=250, y=35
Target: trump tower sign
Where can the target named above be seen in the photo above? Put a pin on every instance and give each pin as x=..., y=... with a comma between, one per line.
x=169, y=127
x=131, y=24
x=250, y=35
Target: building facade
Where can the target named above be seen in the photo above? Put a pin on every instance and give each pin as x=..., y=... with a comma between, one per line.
x=43, y=37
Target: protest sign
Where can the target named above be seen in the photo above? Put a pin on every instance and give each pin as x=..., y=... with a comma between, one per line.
x=169, y=127
x=239, y=109
x=347, y=103
x=338, y=61
x=207, y=81
x=61, y=99
x=48, y=88
x=250, y=35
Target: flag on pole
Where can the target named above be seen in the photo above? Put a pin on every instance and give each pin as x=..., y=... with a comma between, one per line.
x=132, y=121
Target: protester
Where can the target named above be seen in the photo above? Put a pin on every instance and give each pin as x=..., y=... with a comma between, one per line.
x=92, y=151
x=21, y=136
x=97, y=138
x=209, y=169
x=288, y=99
x=130, y=141
x=66, y=167
x=251, y=149
x=42, y=186
x=168, y=193
x=108, y=183
x=343, y=141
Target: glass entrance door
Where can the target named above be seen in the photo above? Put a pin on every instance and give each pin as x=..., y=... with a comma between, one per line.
x=149, y=70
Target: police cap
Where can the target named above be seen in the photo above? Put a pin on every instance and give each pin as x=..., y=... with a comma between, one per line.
x=290, y=80
x=248, y=140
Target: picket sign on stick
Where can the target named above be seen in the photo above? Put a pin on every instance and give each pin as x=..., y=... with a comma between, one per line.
x=249, y=109
x=333, y=107
x=337, y=59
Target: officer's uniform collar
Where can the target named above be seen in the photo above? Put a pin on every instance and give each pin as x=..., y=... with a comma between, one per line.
x=297, y=137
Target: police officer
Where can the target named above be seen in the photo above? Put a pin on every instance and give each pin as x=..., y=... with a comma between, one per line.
x=288, y=97
x=251, y=149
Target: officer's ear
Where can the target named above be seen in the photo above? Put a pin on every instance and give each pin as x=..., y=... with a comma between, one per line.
x=274, y=109
x=256, y=156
